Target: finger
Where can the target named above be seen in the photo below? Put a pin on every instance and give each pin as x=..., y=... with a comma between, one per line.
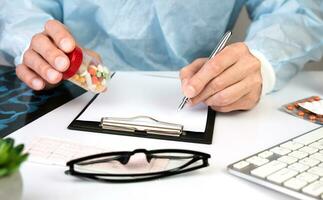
x=55, y=57
x=220, y=62
x=29, y=77
x=232, y=93
x=232, y=75
x=60, y=35
x=245, y=103
x=188, y=71
x=41, y=67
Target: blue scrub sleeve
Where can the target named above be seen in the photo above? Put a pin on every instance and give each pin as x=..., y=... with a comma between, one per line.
x=20, y=20
x=289, y=33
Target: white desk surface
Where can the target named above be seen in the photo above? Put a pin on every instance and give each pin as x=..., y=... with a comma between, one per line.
x=236, y=135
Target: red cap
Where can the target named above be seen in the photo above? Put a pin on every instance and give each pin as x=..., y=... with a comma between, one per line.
x=76, y=58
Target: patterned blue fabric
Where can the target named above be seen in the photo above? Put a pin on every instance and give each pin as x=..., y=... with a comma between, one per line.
x=19, y=105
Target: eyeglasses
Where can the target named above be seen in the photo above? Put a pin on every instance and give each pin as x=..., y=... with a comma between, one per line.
x=137, y=165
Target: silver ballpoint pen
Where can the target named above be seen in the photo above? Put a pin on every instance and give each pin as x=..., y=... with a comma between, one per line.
x=217, y=49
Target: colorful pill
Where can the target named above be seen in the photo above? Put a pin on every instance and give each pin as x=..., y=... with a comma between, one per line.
x=290, y=107
x=310, y=100
x=316, y=98
x=95, y=80
x=300, y=113
x=312, y=117
x=92, y=71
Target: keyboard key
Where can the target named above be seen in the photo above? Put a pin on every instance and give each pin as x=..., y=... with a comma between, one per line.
x=265, y=154
x=310, y=137
x=298, y=167
x=296, y=164
x=309, y=161
x=295, y=183
x=241, y=165
x=268, y=169
x=292, y=145
x=317, y=145
x=317, y=156
x=287, y=159
x=280, y=151
x=282, y=175
x=309, y=150
x=316, y=170
x=308, y=177
x=257, y=160
x=298, y=154
x=314, y=189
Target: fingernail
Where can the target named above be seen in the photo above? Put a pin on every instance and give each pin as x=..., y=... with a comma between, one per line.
x=37, y=83
x=66, y=45
x=61, y=63
x=190, y=91
x=52, y=74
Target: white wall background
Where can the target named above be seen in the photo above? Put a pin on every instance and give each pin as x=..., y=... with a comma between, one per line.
x=238, y=35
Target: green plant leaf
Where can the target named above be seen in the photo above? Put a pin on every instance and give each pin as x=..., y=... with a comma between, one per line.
x=4, y=151
x=12, y=170
x=10, y=142
x=11, y=156
x=19, y=148
x=3, y=172
x=4, y=146
x=3, y=158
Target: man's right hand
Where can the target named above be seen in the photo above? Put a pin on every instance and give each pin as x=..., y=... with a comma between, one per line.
x=45, y=59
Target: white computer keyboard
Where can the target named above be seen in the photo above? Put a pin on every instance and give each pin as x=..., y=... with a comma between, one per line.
x=294, y=167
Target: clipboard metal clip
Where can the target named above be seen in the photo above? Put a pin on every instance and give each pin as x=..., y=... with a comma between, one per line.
x=145, y=124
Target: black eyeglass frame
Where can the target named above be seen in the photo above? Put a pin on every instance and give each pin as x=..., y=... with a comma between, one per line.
x=138, y=177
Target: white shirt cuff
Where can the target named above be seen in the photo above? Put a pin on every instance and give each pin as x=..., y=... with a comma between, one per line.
x=267, y=72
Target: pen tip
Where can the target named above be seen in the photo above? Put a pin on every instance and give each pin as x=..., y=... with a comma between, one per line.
x=182, y=104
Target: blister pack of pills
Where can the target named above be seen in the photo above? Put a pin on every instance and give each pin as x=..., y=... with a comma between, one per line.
x=310, y=109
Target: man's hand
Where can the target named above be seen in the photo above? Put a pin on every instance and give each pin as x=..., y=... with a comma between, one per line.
x=45, y=59
x=231, y=80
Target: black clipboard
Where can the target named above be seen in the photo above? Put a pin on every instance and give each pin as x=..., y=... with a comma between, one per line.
x=186, y=136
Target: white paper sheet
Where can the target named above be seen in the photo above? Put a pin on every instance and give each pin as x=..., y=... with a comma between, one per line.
x=132, y=94
x=56, y=151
